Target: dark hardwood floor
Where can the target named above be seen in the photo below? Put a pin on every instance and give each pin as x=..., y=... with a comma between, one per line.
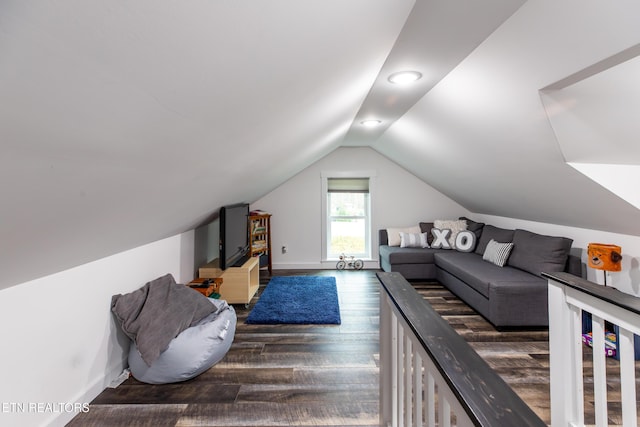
x=315, y=375
x=274, y=375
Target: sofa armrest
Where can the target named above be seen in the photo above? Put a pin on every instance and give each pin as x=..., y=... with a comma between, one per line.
x=522, y=303
x=383, y=237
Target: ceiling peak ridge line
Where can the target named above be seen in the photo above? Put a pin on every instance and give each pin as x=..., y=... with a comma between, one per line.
x=418, y=47
x=593, y=69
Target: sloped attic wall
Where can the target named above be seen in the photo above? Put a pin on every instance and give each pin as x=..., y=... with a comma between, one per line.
x=123, y=123
x=482, y=135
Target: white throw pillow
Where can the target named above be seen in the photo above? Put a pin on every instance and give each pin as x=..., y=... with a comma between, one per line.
x=497, y=253
x=455, y=226
x=393, y=234
x=413, y=240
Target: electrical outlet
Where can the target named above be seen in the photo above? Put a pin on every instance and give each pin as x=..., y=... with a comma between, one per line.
x=284, y=249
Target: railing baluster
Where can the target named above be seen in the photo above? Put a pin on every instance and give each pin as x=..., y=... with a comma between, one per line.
x=444, y=411
x=386, y=353
x=430, y=399
x=400, y=376
x=418, y=375
x=599, y=372
x=394, y=370
x=408, y=382
x=577, y=374
x=627, y=378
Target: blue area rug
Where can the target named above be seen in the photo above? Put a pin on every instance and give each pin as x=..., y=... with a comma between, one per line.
x=297, y=300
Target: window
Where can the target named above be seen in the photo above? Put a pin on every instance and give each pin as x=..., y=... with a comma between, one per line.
x=348, y=218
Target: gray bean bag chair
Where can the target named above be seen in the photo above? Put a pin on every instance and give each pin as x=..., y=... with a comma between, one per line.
x=176, y=332
x=192, y=352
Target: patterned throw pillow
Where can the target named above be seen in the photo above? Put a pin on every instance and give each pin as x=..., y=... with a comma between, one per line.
x=414, y=240
x=456, y=226
x=393, y=234
x=497, y=253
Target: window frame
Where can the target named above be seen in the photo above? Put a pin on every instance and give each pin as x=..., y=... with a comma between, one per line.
x=326, y=217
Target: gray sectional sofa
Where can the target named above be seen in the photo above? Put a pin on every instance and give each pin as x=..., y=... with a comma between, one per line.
x=514, y=295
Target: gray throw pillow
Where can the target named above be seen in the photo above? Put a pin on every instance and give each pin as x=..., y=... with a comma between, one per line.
x=425, y=227
x=536, y=253
x=490, y=232
x=475, y=227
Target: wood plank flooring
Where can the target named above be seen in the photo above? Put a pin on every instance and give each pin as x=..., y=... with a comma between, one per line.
x=322, y=375
x=274, y=375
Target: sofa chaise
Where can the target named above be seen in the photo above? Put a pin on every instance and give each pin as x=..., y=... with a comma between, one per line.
x=512, y=295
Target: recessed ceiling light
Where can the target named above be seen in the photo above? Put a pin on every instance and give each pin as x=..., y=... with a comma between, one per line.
x=371, y=123
x=403, y=77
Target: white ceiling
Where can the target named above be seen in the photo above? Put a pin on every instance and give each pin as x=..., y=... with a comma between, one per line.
x=125, y=122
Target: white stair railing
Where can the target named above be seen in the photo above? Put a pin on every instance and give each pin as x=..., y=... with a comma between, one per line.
x=430, y=376
x=569, y=296
x=418, y=394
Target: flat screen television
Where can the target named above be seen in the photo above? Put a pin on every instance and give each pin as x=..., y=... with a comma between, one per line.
x=234, y=235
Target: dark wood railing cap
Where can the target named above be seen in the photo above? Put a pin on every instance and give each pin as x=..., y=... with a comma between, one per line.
x=605, y=293
x=483, y=394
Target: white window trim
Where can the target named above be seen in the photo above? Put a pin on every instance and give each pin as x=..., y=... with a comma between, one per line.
x=325, y=175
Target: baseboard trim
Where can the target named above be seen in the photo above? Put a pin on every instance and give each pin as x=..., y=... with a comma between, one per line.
x=325, y=265
x=97, y=386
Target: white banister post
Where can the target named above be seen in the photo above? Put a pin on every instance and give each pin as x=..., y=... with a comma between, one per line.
x=565, y=358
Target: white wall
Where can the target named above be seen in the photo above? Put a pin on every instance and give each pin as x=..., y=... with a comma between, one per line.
x=627, y=280
x=60, y=343
x=402, y=199
x=399, y=199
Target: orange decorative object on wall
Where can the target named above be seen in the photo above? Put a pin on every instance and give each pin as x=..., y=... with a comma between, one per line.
x=605, y=257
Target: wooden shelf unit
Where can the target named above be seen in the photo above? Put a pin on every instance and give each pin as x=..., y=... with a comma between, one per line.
x=239, y=284
x=260, y=237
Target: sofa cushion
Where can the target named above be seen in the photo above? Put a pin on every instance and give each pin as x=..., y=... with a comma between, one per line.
x=455, y=225
x=398, y=255
x=474, y=227
x=490, y=232
x=477, y=273
x=519, y=303
x=413, y=240
x=497, y=253
x=537, y=253
x=393, y=234
x=425, y=227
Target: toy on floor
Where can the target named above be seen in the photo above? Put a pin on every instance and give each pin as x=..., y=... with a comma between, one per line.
x=610, y=346
x=349, y=261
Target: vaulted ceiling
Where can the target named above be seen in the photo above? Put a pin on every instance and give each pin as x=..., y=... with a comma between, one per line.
x=125, y=122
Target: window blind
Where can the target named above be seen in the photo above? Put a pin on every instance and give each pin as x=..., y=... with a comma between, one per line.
x=348, y=185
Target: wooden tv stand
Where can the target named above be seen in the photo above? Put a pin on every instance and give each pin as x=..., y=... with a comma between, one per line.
x=239, y=284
